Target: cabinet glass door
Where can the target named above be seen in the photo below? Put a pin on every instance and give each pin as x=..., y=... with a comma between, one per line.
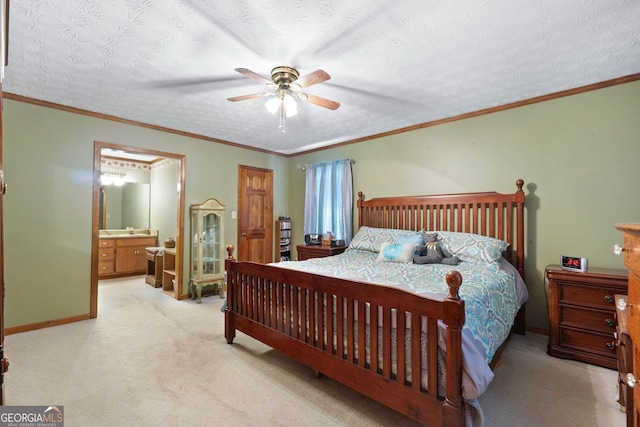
x=210, y=244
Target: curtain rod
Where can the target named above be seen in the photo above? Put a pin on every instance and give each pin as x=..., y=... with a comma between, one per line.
x=304, y=167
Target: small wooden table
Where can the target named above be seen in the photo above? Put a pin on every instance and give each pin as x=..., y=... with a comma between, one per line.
x=154, y=266
x=317, y=251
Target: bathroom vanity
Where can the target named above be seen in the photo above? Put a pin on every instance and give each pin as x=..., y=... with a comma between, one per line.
x=123, y=253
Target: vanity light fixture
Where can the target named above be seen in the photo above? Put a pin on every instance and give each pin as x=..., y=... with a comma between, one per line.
x=112, y=179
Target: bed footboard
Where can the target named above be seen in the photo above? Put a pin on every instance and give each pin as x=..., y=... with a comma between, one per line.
x=294, y=312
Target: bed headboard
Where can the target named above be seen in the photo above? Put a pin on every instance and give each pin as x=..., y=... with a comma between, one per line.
x=489, y=214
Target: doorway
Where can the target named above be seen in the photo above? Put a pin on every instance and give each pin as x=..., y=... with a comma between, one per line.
x=98, y=217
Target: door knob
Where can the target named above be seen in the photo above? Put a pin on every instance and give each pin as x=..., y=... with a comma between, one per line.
x=244, y=234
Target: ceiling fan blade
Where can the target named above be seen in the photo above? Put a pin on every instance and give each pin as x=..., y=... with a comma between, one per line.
x=318, y=76
x=255, y=76
x=321, y=102
x=245, y=97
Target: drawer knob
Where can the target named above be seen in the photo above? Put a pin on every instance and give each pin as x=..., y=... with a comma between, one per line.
x=610, y=323
x=608, y=298
x=631, y=380
x=611, y=346
x=622, y=305
x=617, y=249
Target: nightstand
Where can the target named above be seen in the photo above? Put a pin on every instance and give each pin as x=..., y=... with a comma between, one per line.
x=582, y=314
x=316, y=251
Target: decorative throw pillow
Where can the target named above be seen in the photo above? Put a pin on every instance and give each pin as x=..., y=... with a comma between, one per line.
x=396, y=252
x=472, y=248
x=415, y=239
x=370, y=238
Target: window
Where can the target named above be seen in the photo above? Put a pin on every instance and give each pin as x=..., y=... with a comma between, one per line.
x=329, y=199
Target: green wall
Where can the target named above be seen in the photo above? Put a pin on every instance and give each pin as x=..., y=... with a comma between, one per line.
x=579, y=157
x=48, y=159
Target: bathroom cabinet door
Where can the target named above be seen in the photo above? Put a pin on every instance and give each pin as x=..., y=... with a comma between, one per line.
x=130, y=259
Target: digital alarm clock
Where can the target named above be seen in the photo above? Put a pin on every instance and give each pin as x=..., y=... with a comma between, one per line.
x=573, y=263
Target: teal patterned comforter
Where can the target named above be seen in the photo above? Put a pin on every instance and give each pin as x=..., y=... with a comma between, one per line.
x=489, y=293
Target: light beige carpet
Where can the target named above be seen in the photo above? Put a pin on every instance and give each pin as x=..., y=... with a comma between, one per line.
x=149, y=360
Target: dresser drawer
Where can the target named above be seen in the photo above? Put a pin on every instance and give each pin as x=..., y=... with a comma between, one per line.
x=106, y=267
x=106, y=254
x=137, y=241
x=625, y=354
x=596, y=320
x=587, y=296
x=107, y=243
x=589, y=342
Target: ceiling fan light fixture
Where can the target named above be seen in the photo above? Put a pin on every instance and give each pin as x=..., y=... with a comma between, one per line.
x=272, y=105
x=287, y=84
x=290, y=105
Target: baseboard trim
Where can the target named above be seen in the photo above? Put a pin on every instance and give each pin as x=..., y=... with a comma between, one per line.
x=45, y=324
x=539, y=331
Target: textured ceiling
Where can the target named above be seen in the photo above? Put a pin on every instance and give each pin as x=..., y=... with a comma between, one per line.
x=393, y=63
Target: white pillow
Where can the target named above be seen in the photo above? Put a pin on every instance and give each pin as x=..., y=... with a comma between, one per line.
x=396, y=252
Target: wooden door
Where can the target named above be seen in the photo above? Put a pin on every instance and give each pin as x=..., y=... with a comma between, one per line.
x=255, y=214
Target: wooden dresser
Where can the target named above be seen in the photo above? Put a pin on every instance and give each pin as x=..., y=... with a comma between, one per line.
x=582, y=311
x=631, y=252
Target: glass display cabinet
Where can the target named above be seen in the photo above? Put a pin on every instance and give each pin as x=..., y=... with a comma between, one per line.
x=207, y=260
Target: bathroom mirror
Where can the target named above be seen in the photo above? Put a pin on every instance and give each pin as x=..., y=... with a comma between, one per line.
x=123, y=206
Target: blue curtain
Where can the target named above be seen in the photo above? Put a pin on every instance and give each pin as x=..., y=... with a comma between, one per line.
x=328, y=204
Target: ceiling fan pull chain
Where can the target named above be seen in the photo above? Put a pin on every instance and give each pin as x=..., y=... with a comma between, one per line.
x=283, y=116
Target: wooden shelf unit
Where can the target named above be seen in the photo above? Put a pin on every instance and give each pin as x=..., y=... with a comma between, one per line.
x=169, y=271
x=283, y=240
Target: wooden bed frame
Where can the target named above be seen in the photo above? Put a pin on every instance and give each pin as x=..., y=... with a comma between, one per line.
x=264, y=300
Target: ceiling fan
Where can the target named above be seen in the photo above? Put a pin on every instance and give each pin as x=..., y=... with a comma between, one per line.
x=287, y=85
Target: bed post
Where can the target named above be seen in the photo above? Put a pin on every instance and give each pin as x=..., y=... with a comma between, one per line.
x=520, y=230
x=229, y=330
x=454, y=320
x=359, y=204
x=520, y=321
